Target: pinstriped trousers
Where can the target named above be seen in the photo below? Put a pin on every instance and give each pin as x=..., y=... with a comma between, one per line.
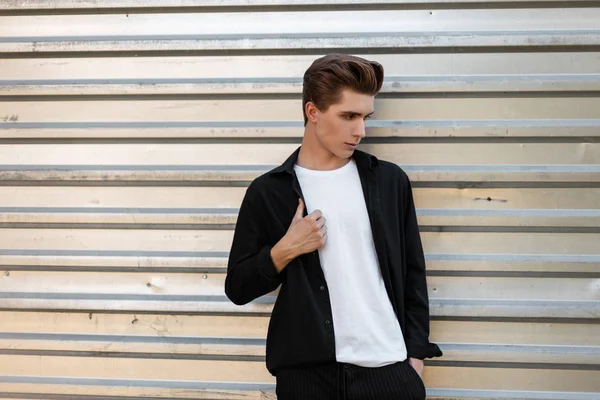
x=339, y=381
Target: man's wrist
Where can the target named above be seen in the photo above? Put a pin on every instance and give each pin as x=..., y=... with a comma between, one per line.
x=282, y=255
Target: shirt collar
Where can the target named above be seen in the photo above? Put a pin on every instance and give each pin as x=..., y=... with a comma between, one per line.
x=363, y=160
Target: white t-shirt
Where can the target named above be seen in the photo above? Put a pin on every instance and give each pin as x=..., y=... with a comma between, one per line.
x=367, y=332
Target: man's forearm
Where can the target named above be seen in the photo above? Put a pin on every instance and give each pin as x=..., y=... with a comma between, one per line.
x=282, y=254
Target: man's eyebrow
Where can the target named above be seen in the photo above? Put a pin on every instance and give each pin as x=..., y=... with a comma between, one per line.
x=353, y=113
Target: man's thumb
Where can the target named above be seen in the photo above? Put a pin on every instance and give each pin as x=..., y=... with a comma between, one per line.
x=299, y=210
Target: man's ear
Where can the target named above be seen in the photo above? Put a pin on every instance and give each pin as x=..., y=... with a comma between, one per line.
x=312, y=112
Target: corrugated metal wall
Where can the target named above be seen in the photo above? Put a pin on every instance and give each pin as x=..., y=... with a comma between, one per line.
x=130, y=129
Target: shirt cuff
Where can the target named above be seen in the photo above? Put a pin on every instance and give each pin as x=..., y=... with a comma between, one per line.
x=421, y=352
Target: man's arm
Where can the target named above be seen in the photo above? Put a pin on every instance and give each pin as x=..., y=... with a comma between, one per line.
x=250, y=269
x=416, y=300
x=254, y=268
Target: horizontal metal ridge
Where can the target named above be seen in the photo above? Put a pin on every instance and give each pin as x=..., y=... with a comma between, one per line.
x=261, y=168
x=479, y=394
x=475, y=394
x=293, y=85
x=567, y=175
x=475, y=310
x=396, y=41
x=393, y=131
x=225, y=218
x=133, y=338
x=234, y=211
x=455, y=124
x=236, y=341
x=221, y=255
x=179, y=384
x=435, y=302
x=182, y=5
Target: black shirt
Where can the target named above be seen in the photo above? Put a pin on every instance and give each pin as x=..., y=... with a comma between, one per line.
x=301, y=330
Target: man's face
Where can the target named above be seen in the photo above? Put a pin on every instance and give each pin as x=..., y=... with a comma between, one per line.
x=342, y=126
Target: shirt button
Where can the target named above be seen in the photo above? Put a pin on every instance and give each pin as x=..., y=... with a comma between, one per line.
x=327, y=322
x=322, y=288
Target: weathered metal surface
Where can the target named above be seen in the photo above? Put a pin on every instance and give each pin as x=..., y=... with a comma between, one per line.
x=19, y=5
x=129, y=133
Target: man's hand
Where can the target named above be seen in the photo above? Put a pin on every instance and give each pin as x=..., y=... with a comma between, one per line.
x=418, y=365
x=304, y=235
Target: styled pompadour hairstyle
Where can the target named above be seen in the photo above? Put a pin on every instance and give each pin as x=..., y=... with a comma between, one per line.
x=328, y=76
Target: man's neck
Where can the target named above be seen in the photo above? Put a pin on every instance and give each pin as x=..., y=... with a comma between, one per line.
x=313, y=156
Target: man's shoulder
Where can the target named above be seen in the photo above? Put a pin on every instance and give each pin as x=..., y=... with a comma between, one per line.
x=268, y=181
x=392, y=171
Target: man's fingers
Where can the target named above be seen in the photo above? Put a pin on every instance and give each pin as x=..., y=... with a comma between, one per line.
x=315, y=215
x=324, y=239
x=323, y=230
x=321, y=222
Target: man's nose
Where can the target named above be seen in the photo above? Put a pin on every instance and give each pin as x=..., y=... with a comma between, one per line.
x=360, y=130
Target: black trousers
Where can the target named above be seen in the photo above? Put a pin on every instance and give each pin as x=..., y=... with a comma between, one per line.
x=339, y=381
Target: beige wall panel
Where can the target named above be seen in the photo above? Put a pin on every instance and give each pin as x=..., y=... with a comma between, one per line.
x=117, y=283
x=147, y=240
x=239, y=351
x=406, y=109
x=301, y=22
x=515, y=333
x=256, y=327
x=458, y=377
x=239, y=67
x=217, y=240
x=585, y=220
x=77, y=260
x=570, y=128
x=332, y=41
x=231, y=197
x=511, y=243
x=539, y=264
x=122, y=368
x=138, y=324
x=243, y=351
x=394, y=85
x=581, y=175
x=180, y=240
x=447, y=308
x=140, y=389
x=510, y=354
x=273, y=154
x=150, y=197
x=505, y=199
x=511, y=264
x=513, y=379
x=131, y=391
x=170, y=219
x=213, y=285
x=219, y=306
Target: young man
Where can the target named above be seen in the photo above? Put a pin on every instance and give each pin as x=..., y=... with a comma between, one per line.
x=335, y=229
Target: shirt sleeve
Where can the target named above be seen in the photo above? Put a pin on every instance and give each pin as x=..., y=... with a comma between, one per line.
x=250, y=269
x=416, y=299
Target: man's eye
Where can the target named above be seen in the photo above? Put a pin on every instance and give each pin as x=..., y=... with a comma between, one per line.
x=348, y=117
x=368, y=117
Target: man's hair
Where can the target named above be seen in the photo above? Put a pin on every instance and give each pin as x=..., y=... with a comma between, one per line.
x=328, y=76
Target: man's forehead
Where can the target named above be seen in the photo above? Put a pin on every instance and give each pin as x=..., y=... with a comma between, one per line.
x=355, y=99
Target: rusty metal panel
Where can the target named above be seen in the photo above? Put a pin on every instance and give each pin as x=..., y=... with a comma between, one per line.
x=129, y=132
